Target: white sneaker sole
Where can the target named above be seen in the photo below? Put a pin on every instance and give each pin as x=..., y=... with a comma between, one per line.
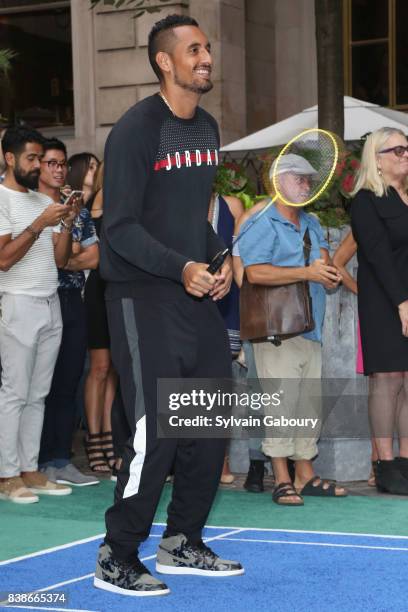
x=55, y=492
x=20, y=500
x=170, y=569
x=77, y=484
x=106, y=586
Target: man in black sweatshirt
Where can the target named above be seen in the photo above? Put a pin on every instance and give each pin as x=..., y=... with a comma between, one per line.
x=160, y=161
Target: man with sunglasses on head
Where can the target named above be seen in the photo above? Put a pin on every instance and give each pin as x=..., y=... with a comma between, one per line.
x=30, y=319
x=60, y=407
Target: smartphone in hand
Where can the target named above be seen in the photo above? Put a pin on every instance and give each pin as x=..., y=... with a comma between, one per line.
x=74, y=195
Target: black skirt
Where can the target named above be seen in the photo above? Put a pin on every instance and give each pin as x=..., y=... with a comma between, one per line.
x=380, y=228
x=96, y=317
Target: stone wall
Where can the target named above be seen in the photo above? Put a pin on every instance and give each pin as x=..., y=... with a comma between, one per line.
x=264, y=63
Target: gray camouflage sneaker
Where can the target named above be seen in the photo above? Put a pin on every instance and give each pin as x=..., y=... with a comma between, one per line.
x=72, y=476
x=131, y=578
x=177, y=556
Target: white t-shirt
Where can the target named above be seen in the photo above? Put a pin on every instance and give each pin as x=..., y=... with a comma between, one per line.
x=36, y=273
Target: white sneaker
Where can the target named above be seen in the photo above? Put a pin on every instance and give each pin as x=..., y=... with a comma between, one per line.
x=14, y=490
x=38, y=482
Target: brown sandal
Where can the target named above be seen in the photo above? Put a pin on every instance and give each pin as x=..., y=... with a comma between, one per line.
x=284, y=490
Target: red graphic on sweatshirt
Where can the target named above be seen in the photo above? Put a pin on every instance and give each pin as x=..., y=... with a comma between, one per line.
x=188, y=159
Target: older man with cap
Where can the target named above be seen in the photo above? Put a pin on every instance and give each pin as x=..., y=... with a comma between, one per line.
x=272, y=252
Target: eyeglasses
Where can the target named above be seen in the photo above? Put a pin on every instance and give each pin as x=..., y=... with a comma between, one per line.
x=398, y=151
x=53, y=164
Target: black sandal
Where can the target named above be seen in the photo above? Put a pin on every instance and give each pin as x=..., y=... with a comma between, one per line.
x=319, y=490
x=283, y=490
x=95, y=453
x=108, y=449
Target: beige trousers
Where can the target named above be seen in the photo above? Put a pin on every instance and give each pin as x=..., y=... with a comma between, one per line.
x=286, y=368
x=30, y=337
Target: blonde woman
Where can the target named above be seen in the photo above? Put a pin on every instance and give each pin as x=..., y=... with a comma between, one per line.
x=380, y=228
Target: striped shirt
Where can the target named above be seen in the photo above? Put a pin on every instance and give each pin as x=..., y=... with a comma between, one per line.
x=36, y=273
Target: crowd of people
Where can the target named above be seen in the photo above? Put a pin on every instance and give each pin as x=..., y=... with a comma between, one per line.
x=43, y=356
x=51, y=210
x=111, y=259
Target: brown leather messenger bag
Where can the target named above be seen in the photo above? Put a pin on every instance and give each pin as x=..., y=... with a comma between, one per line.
x=276, y=312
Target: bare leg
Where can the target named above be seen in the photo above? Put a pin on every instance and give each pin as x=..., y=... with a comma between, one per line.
x=95, y=388
x=226, y=477
x=110, y=390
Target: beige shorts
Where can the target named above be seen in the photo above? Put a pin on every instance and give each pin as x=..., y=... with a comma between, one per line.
x=286, y=367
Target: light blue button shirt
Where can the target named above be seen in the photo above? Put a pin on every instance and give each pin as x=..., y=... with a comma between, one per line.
x=275, y=240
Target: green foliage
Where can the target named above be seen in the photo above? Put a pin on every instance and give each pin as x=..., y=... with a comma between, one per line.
x=231, y=179
x=6, y=55
x=140, y=5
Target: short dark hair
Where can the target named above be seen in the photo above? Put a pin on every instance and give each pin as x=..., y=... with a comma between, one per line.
x=161, y=36
x=78, y=166
x=54, y=144
x=15, y=139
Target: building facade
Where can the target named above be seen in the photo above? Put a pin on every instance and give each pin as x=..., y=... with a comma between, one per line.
x=264, y=63
x=78, y=69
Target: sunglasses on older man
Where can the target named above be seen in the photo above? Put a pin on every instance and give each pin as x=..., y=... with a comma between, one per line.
x=398, y=150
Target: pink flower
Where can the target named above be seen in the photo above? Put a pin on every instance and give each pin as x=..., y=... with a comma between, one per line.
x=347, y=183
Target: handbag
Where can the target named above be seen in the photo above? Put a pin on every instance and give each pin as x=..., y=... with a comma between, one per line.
x=276, y=312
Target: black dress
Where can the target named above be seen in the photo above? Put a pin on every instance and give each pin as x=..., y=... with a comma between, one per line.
x=380, y=228
x=96, y=317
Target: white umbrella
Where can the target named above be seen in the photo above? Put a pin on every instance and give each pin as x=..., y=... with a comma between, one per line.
x=359, y=118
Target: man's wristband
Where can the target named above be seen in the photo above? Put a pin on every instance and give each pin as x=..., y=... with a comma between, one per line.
x=32, y=231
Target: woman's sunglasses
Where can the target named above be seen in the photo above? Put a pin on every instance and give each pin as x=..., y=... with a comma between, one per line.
x=398, y=151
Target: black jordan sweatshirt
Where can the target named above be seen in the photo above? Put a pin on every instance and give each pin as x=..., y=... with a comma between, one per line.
x=159, y=171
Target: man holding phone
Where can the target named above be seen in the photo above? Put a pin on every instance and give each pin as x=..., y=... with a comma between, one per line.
x=30, y=320
x=60, y=407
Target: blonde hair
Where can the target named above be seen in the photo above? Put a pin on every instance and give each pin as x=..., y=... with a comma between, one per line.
x=367, y=176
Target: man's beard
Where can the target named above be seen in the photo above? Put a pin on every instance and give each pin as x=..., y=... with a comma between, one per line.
x=194, y=87
x=29, y=180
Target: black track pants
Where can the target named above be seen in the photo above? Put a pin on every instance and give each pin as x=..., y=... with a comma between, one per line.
x=152, y=340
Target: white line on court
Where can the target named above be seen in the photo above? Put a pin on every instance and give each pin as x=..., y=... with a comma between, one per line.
x=328, y=544
x=45, y=551
x=338, y=533
x=86, y=576
x=268, y=529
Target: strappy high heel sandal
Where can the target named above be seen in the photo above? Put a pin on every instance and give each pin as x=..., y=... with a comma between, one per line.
x=108, y=450
x=96, y=453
